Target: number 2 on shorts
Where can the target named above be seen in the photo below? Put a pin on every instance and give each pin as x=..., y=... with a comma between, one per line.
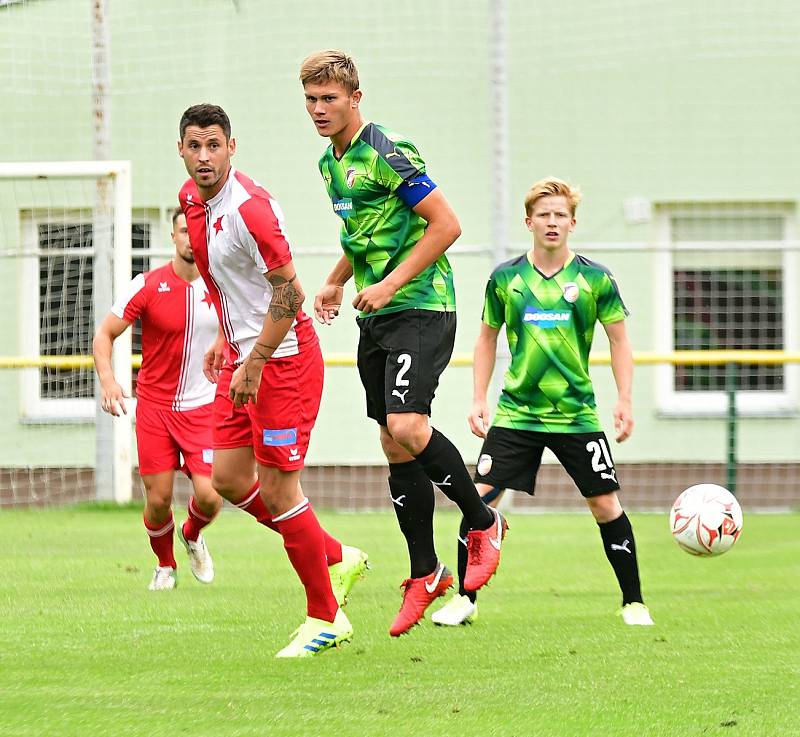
x=405, y=360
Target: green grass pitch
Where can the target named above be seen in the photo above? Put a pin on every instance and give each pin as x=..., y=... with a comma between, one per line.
x=86, y=650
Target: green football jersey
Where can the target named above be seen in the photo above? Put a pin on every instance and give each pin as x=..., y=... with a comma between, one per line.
x=550, y=324
x=373, y=188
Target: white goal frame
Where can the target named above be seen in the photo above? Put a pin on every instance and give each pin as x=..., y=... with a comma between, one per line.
x=111, y=273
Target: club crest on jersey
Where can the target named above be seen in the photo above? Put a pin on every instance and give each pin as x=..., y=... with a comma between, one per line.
x=571, y=292
x=286, y=436
x=343, y=207
x=546, y=319
x=163, y=286
x=484, y=464
x=350, y=177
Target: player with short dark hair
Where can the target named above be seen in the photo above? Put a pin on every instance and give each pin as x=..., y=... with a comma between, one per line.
x=549, y=300
x=269, y=380
x=396, y=227
x=174, y=400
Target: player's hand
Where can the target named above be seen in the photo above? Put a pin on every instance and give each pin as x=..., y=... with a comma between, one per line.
x=623, y=420
x=245, y=382
x=479, y=419
x=213, y=360
x=328, y=302
x=112, y=398
x=371, y=299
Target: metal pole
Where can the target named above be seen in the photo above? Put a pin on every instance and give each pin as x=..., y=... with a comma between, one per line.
x=498, y=101
x=731, y=376
x=499, y=161
x=121, y=461
x=102, y=274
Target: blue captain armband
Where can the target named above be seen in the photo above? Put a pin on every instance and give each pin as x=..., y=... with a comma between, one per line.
x=413, y=191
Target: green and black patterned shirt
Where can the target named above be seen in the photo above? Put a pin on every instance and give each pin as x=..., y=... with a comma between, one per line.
x=373, y=188
x=550, y=324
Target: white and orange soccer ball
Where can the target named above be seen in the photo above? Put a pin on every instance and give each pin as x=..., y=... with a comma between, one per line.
x=706, y=519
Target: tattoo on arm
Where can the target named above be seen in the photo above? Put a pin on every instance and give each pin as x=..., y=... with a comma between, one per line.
x=258, y=354
x=286, y=297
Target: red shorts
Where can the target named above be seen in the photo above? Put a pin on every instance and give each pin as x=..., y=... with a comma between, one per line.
x=163, y=436
x=278, y=426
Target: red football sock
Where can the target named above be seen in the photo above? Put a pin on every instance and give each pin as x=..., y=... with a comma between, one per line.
x=305, y=546
x=333, y=548
x=195, y=522
x=254, y=504
x=161, y=541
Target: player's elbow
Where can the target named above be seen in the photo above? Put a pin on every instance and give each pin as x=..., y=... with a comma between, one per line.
x=453, y=229
x=100, y=339
x=300, y=297
x=448, y=230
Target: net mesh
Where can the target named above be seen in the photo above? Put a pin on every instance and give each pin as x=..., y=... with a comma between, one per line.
x=651, y=107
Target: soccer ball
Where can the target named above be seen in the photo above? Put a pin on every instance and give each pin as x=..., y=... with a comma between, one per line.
x=705, y=519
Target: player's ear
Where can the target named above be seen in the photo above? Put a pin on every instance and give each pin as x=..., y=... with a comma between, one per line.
x=232, y=146
x=529, y=224
x=180, y=149
x=355, y=98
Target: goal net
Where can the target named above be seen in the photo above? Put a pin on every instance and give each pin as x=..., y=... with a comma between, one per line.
x=65, y=248
x=649, y=107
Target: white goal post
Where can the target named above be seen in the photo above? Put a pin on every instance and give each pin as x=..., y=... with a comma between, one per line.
x=108, y=198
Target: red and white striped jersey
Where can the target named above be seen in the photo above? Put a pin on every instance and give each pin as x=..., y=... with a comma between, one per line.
x=178, y=327
x=237, y=237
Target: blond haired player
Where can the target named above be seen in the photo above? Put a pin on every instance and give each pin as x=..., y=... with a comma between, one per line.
x=550, y=300
x=395, y=228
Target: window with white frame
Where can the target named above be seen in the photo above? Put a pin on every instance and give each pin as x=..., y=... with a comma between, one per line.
x=59, y=315
x=731, y=284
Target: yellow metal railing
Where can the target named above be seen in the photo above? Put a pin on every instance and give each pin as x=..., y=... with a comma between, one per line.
x=643, y=358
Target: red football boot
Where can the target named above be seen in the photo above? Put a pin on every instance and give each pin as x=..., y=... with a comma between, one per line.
x=418, y=595
x=483, y=552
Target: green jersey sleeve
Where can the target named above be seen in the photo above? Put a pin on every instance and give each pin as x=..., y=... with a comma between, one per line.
x=493, y=305
x=610, y=307
x=398, y=162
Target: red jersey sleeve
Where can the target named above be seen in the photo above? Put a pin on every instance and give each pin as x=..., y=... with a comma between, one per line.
x=188, y=195
x=133, y=301
x=263, y=219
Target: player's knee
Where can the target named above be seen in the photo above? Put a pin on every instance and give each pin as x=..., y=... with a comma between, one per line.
x=394, y=452
x=280, y=489
x=410, y=431
x=159, y=503
x=205, y=494
x=229, y=485
x=605, y=507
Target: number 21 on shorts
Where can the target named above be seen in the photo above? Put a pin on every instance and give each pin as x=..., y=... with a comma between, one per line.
x=601, y=459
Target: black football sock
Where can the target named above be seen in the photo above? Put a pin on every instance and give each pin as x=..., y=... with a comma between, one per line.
x=462, y=561
x=620, y=550
x=491, y=495
x=445, y=467
x=412, y=499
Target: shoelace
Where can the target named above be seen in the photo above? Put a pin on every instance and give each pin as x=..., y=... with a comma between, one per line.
x=474, y=548
x=196, y=547
x=406, y=585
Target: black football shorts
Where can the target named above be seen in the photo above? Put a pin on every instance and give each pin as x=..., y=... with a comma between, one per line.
x=510, y=459
x=400, y=358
